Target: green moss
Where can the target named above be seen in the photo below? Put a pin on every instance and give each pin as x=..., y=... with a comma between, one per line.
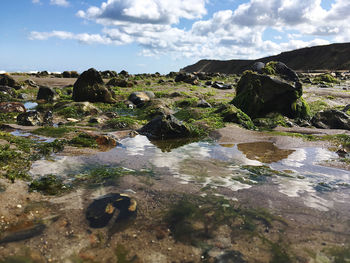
x=8, y=117
x=187, y=102
x=316, y=106
x=52, y=131
x=233, y=114
x=300, y=109
x=192, y=218
x=326, y=78
x=270, y=68
x=83, y=140
x=340, y=254
x=48, y=148
x=122, y=122
x=48, y=185
x=102, y=176
x=271, y=121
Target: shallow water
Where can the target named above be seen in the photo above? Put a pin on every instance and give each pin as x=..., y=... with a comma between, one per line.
x=215, y=165
x=29, y=105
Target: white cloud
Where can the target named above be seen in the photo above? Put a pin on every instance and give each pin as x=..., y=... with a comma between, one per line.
x=64, y=3
x=36, y=1
x=113, y=12
x=227, y=34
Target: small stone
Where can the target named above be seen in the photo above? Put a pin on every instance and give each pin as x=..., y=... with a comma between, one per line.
x=19, y=206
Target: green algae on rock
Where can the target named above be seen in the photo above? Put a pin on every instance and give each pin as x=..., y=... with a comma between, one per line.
x=258, y=95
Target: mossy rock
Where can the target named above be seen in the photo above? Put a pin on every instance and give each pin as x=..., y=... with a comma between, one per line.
x=257, y=95
x=326, y=78
x=231, y=113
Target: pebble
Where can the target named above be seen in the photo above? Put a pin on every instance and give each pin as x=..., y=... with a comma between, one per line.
x=19, y=206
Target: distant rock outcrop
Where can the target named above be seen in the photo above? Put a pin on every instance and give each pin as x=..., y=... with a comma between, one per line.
x=327, y=57
x=90, y=87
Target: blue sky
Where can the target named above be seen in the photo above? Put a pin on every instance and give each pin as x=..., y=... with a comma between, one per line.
x=160, y=35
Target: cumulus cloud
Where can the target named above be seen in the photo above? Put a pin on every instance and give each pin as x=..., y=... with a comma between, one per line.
x=113, y=12
x=226, y=34
x=64, y=3
x=36, y=1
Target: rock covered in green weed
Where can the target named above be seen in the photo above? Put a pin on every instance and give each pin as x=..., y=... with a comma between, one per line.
x=49, y=185
x=258, y=95
x=231, y=113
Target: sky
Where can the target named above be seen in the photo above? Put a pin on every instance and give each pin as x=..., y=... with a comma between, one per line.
x=147, y=36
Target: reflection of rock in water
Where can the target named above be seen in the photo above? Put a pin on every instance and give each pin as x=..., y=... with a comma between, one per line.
x=265, y=152
x=168, y=145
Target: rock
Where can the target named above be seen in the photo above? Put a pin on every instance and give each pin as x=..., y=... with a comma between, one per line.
x=48, y=119
x=6, y=107
x=156, y=107
x=220, y=85
x=7, y=90
x=22, y=231
x=124, y=73
x=43, y=73
x=232, y=114
x=331, y=119
x=101, y=210
x=203, y=76
x=231, y=256
x=70, y=74
x=187, y=78
x=72, y=120
x=30, y=118
x=258, y=67
x=6, y=80
x=47, y=94
x=203, y=104
x=31, y=83
x=258, y=95
x=90, y=87
x=23, y=96
x=118, y=82
x=346, y=108
x=140, y=97
x=107, y=74
x=165, y=127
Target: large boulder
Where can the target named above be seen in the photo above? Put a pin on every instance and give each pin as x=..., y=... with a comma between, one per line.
x=7, y=90
x=6, y=107
x=260, y=94
x=187, y=78
x=30, y=118
x=165, y=127
x=90, y=87
x=331, y=119
x=6, y=80
x=47, y=93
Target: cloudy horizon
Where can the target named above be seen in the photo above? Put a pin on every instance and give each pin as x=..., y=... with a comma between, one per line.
x=162, y=35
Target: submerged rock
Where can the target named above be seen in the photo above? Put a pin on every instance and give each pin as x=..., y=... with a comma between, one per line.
x=6, y=107
x=101, y=210
x=165, y=127
x=30, y=118
x=90, y=87
x=258, y=95
x=23, y=232
x=47, y=93
x=331, y=119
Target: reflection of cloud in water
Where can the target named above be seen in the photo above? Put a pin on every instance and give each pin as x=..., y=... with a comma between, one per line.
x=323, y=155
x=137, y=145
x=296, y=159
